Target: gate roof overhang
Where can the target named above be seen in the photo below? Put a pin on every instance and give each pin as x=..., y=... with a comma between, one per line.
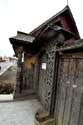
x=74, y=46
x=33, y=45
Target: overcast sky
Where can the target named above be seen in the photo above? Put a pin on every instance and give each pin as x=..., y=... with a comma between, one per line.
x=25, y=15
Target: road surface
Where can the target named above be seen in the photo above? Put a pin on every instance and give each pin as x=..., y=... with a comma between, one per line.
x=18, y=113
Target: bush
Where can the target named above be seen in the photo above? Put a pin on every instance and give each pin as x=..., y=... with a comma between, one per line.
x=6, y=87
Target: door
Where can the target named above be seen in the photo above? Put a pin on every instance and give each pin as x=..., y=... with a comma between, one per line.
x=69, y=103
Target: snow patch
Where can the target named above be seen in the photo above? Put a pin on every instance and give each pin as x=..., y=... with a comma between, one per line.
x=6, y=97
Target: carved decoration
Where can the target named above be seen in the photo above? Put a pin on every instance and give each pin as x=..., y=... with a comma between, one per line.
x=46, y=76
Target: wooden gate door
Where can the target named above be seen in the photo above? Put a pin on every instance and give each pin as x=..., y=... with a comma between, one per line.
x=69, y=100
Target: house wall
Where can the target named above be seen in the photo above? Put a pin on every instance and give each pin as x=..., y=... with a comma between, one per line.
x=29, y=61
x=27, y=79
x=36, y=76
x=28, y=73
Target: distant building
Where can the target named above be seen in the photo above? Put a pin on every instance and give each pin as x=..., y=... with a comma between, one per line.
x=13, y=59
x=2, y=59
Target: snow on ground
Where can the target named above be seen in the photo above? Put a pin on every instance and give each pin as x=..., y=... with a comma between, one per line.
x=6, y=97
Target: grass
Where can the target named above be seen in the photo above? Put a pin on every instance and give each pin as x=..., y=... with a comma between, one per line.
x=8, y=81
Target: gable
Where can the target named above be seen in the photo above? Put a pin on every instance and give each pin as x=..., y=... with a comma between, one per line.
x=64, y=19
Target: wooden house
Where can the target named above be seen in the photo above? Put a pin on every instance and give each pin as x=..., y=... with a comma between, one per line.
x=53, y=67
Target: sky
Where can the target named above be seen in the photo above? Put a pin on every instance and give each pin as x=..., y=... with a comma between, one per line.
x=25, y=15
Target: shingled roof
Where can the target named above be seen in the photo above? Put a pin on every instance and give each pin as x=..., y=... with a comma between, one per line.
x=67, y=11
x=22, y=37
x=47, y=31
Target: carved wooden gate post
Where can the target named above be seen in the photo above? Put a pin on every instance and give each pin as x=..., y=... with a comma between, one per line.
x=19, y=72
x=59, y=41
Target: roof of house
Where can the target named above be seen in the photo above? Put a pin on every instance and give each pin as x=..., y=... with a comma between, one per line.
x=43, y=33
x=49, y=21
x=51, y=32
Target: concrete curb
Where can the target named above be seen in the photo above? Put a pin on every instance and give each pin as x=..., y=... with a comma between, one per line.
x=6, y=97
x=25, y=98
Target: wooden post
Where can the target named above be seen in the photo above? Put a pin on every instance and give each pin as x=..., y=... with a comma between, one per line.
x=19, y=71
x=60, y=41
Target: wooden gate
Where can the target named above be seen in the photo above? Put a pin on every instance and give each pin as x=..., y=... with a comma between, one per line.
x=69, y=98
